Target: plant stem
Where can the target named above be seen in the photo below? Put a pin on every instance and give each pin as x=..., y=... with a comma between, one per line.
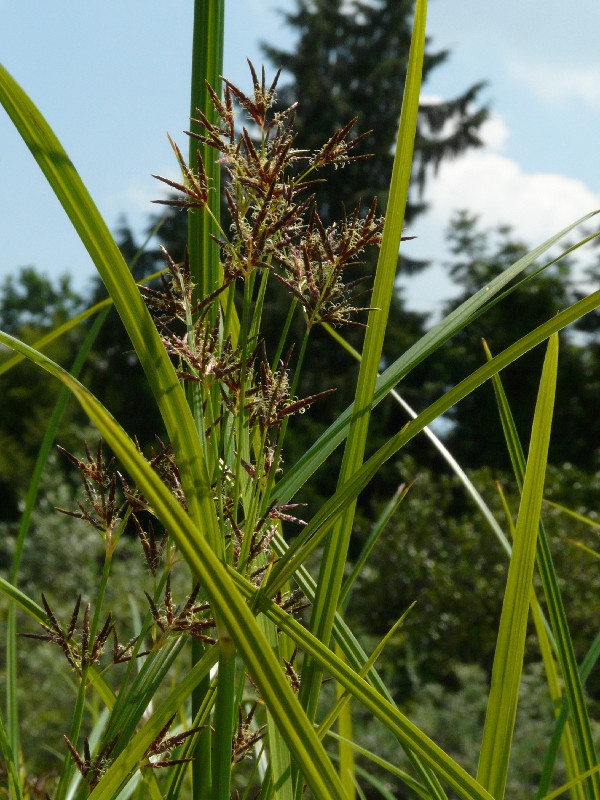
x=207, y=65
x=207, y=61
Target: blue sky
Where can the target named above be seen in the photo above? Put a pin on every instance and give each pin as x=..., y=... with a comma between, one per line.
x=112, y=79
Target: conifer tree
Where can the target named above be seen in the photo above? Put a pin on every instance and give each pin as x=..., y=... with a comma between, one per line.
x=350, y=59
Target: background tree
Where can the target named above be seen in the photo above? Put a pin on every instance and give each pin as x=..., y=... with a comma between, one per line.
x=31, y=305
x=356, y=56
x=477, y=256
x=438, y=551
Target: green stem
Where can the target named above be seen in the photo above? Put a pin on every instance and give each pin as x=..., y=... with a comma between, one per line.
x=207, y=65
x=242, y=425
x=223, y=720
x=282, y=432
x=201, y=766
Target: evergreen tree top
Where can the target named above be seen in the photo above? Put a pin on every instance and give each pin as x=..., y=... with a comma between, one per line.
x=351, y=58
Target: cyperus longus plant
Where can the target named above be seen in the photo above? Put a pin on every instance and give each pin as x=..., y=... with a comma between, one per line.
x=219, y=687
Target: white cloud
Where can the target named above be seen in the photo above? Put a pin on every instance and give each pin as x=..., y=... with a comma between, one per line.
x=500, y=191
x=559, y=83
x=494, y=133
x=140, y=193
x=491, y=184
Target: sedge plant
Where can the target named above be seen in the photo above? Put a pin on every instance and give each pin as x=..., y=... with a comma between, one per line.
x=223, y=688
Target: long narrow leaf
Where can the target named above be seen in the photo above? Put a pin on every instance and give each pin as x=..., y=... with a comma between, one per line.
x=10, y=763
x=564, y=646
x=203, y=254
x=335, y=552
x=87, y=221
x=207, y=66
x=589, y=662
x=329, y=719
x=546, y=641
x=574, y=783
x=508, y=659
x=279, y=754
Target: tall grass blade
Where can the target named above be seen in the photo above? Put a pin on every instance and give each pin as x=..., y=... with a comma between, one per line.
x=10, y=764
x=336, y=548
x=508, y=659
x=223, y=720
x=91, y=228
x=342, y=700
x=579, y=517
x=207, y=66
x=203, y=254
x=334, y=557
x=562, y=733
x=542, y=627
x=559, y=625
x=573, y=784
x=561, y=729
x=279, y=755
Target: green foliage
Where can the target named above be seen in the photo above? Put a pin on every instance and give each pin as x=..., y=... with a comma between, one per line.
x=453, y=716
x=30, y=306
x=204, y=675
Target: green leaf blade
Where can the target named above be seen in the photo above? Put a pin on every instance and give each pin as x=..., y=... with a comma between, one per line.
x=93, y=231
x=508, y=660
